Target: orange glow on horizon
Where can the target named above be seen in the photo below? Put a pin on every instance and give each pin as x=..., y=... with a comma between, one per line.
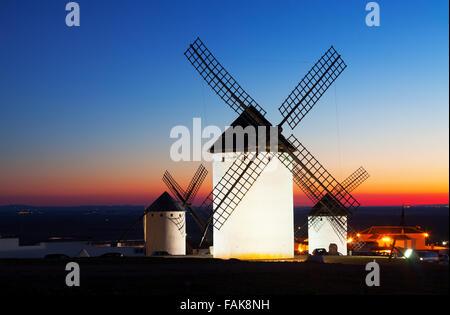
x=138, y=183
x=146, y=195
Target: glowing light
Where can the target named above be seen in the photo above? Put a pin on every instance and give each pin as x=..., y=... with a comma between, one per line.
x=386, y=239
x=408, y=253
x=358, y=235
x=350, y=240
x=425, y=234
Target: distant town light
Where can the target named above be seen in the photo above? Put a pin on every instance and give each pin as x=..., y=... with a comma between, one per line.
x=358, y=235
x=350, y=240
x=386, y=239
x=425, y=234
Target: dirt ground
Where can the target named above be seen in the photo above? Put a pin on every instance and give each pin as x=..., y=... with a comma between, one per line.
x=205, y=276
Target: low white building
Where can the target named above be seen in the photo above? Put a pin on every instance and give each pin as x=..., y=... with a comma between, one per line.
x=10, y=248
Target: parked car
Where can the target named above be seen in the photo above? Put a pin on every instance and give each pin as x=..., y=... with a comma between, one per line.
x=320, y=252
x=160, y=253
x=112, y=255
x=56, y=257
x=425, y=256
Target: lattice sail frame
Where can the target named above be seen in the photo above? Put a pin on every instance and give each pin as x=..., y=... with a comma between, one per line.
x=350, y=183
x=341, y=228
x=174, y=187
x=314, y=179
x=181, y=195
x=196, y=182
x=355, y=179
x=306, y=94
x=219, y=79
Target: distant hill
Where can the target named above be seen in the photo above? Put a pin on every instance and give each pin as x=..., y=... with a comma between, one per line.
x=34, y=224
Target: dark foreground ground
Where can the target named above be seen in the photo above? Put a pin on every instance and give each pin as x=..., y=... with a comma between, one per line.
x=209, y=277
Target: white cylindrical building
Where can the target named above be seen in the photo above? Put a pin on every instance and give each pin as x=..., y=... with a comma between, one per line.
x=262, y=224
x=165, y=226
x=324, y=229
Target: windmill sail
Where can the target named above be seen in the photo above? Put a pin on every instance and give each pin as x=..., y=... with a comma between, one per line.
x=180, y=195
x=195, y=183
x=306, y=94
x=355, y=179
x=219, y=79
x=314, y=179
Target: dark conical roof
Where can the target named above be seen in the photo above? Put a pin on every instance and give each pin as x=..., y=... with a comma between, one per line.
x=164, y=203
x=221, y=144
x=320, y=210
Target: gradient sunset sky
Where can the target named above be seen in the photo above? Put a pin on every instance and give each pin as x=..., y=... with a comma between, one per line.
x=86, y=112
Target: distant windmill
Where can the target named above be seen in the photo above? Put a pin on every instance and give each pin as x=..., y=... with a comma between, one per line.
x=329, y=225
x=185, y=197
x=246, y=167
x=182, y=201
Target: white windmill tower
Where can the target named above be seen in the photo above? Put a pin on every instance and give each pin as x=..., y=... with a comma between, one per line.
x=166, y=215
x=327, y=227
x=165, y=226
x=251, y=203
x=261, y=224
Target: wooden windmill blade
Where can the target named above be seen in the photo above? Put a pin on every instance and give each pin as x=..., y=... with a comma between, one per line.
x=208, y=204
x=317, y=180
x=219, y=79
x=331, y=210
x=350, y=183
x=179, y=195
x=196, y=182
x=306, y=94
x=355, y=179
x=247, y=167
x=177, y=192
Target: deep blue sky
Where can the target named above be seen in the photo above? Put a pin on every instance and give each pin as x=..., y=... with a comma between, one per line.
x=103, y=97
